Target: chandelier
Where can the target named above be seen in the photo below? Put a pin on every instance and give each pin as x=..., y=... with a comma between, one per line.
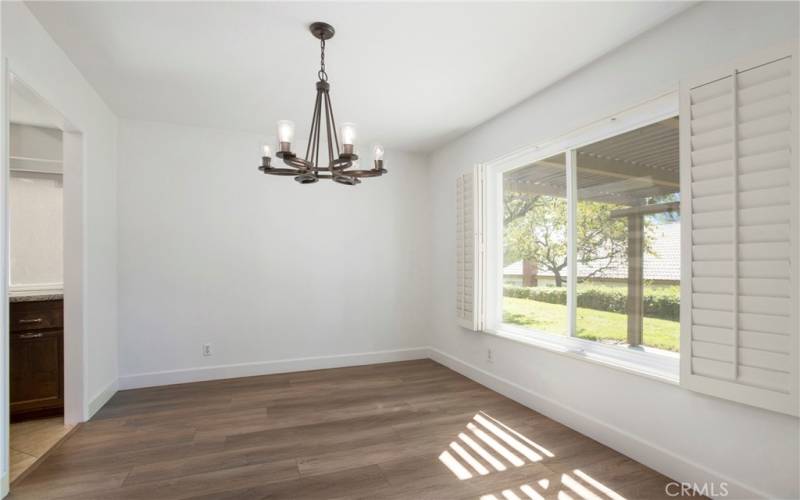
x=342, y=165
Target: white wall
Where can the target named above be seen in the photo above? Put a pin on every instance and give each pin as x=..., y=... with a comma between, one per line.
x=35, y=201
x=265, y=270
x=686, y=435
x=36, y=221
x=90, y=280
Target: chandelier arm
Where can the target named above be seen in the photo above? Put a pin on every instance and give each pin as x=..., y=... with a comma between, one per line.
x=328, y=126
x=317, y=133
x=333, y=123
x=346, y=180
x=366, y=173
x=297, y=163
x=282, y=171
x=328, y=176
x=311, y=131
x=342, y=164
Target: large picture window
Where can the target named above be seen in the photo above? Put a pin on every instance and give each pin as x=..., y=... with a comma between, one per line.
x=649, y=243
x=591, y=241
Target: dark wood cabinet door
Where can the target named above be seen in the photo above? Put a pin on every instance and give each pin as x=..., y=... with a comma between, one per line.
x=36, y=366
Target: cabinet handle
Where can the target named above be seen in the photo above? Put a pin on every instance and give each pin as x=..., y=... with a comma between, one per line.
x=30, y=335
x=33, y=320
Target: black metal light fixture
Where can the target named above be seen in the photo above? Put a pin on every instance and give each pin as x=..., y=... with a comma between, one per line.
x=341, y=166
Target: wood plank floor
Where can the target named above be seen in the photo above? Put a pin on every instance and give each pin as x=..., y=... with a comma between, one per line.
x=399, y=430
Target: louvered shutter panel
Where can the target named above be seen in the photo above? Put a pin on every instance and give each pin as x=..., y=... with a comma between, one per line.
x=739, y=186
x=469, y=253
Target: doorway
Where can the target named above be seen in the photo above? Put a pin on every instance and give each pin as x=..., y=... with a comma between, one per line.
x=42, y=165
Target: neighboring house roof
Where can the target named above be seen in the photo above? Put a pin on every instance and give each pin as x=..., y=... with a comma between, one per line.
x=662, y=263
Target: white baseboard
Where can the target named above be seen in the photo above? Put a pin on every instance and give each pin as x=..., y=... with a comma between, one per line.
x=267, y=367
x=680, y=468
x=102, y=398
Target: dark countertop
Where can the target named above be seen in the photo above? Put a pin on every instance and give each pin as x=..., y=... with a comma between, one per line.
x=35, y=296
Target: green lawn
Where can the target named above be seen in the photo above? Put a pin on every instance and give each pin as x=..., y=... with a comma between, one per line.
x=591, y=324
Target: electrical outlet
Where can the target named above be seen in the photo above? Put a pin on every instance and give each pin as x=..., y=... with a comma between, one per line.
x=489, y=356
x=206, y=349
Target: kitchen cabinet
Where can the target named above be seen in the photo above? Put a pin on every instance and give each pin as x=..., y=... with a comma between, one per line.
x=36, y=358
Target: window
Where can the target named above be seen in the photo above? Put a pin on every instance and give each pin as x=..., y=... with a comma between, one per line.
x=628, y=238
x=583, y=242
x=625, y=247
x=535, y=246
x=580, y=247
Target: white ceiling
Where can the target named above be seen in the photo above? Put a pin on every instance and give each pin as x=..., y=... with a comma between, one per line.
x=411, y=75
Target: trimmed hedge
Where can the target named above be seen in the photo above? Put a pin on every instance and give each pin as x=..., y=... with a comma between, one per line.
x=658, y=303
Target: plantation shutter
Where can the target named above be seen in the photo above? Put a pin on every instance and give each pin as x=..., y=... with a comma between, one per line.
x=739, y=130
x=469, y=254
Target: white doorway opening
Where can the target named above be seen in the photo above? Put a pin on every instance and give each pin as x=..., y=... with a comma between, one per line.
x=24, y=107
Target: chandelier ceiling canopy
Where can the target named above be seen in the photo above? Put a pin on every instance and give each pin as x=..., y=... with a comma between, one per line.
x=342, y=164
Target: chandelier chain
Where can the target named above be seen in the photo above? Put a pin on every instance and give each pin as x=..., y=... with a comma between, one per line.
x=323, y=76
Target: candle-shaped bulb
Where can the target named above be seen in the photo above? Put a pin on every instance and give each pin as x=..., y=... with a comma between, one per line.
x=266, y=151
x=377, y=151
x=348, y=136
x=285, y=134
x=348, y=133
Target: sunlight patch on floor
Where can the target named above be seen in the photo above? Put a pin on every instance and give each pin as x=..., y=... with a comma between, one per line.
x=488, y=444
x=597, y=484
x=499, y=448
x=497, y=464
x=514, y=443
x=454, y=465
x=578, y=488
x=528, y=490
x=469, y=459
x=567, y=488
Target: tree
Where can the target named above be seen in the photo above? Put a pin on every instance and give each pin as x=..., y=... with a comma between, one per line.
x=536, y=226
x=535, y=231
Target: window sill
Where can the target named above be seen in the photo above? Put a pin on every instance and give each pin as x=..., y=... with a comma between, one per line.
x=655, y=364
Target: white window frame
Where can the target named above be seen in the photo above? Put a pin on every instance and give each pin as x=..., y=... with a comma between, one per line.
x=653, y=363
